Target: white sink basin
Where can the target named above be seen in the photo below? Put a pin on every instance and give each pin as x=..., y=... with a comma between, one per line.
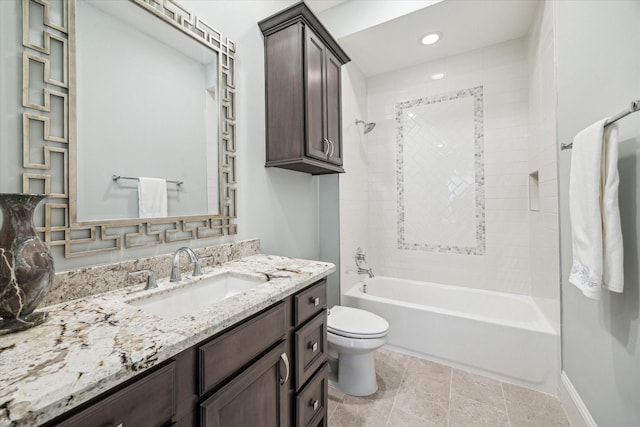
x=195, y=296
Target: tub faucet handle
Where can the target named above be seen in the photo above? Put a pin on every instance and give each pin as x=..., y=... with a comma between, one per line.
x=360, y=257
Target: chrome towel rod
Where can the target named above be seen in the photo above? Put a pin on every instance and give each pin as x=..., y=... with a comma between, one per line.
x=117, y=177
x=635, y=106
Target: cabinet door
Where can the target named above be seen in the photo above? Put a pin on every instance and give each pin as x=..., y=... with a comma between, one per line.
x=316, y=143
x=258, y=397
x=334, y=113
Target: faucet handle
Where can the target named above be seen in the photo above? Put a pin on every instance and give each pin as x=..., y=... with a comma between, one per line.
x=197, y=266
x=151, y=278
x=360, y=256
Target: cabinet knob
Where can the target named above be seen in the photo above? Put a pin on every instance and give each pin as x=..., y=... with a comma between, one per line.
x=314, y=301
x=313, y=346
x=315, y=404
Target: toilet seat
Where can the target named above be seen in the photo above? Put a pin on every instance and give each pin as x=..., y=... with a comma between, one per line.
x=352, y=322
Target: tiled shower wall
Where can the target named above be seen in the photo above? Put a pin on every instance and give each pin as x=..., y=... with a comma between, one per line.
x=544, y=231
x=502, y=71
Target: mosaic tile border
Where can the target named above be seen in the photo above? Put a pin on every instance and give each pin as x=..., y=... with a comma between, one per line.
x=477, y=94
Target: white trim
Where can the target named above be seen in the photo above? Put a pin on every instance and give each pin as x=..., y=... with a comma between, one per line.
x=575, y=408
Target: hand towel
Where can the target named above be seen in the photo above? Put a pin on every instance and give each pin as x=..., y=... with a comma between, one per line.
x=594, y=212
x=152, y=197
x=613, y=274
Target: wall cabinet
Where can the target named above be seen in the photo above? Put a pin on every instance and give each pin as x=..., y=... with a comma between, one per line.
x=270, y=370
x=303, y=93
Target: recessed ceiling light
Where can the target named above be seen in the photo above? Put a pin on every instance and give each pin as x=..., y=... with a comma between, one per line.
x=430, y=38
x=438, y=76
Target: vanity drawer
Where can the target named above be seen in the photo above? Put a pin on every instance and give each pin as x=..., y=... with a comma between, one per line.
x=223, y=356
x=149, y=401
x=311, y=348
x=311, y=402
x=309, y=302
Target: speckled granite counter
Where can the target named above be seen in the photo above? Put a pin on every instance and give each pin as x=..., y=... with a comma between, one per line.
x=89, y=345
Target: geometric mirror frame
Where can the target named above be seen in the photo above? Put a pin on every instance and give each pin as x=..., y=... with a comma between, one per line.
x=49, y=139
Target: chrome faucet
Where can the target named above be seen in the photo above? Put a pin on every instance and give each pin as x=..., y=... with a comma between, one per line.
x=368, y=271
x=175, y=267
x=361, y=257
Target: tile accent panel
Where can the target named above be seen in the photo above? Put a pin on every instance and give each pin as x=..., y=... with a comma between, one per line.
x=440, y=173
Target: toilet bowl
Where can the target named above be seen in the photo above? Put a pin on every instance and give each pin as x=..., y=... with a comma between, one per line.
x=353, y=336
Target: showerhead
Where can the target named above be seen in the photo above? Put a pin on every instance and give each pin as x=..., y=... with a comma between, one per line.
x=368, y=127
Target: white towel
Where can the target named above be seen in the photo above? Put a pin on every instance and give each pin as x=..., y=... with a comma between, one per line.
x=613, y=274
x=594, y=211
x=152, y=197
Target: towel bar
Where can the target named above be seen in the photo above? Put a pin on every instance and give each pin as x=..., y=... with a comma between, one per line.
x=117, y=177
x=635, y=106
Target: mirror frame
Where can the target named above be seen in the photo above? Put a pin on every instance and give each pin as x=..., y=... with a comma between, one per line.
x=58, y=222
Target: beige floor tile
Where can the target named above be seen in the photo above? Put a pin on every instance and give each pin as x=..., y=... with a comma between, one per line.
x=370, y=411
x=468, y=412
x=390, y=368
x=335, y=396
x=418, y=407
x=481, y=389
x=424, y=381
x=399, y=418
x=424, y=392
x=530, y=408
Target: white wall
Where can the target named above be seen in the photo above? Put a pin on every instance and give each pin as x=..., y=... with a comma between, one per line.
x=279, y=207
x=544, y=246
x=598, y=75
x=503, y=72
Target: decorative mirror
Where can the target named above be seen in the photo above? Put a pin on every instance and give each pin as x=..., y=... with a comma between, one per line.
x=119, y=90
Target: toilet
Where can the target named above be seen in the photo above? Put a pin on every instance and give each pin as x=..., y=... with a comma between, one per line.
x=353, y=336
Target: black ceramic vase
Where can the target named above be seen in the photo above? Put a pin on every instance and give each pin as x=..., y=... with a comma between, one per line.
x=26, y=265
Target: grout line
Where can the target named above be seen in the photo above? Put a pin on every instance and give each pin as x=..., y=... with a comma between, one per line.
x=504, y=400
x=393, y=405
x=329, y=416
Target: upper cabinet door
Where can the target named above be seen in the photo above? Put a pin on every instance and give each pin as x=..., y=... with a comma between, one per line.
x=334, y=110
x=302, y=66
x=316, y=143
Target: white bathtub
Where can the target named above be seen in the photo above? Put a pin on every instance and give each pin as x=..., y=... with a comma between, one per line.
x=504, y=336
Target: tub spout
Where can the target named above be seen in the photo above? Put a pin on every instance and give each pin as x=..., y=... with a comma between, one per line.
x=368, y=271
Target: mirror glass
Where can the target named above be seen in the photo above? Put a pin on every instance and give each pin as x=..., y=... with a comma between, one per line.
x=146, y=107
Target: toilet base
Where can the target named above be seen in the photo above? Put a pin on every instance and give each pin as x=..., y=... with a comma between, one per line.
x=357, y=374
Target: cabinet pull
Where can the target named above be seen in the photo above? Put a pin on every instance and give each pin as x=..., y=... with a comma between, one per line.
x=285, y=359
x=313, y=346
x=314, y=300
x=315, y=404
x=326, y=150
x=332, y=147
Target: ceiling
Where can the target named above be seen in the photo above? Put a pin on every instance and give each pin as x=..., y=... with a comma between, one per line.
x=465, y=25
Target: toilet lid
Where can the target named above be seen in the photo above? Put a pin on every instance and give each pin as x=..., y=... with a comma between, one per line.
x=355, y=323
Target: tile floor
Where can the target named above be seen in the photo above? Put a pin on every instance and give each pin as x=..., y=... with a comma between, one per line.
x=415, y=392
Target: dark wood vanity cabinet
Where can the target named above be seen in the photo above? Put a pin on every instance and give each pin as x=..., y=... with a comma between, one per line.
x=269, y=370
x=303, y=93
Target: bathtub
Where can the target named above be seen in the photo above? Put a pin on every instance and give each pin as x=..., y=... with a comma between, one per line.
x=500, y=335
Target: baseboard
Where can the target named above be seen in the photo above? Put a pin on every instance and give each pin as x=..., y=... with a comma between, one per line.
x=575, y=408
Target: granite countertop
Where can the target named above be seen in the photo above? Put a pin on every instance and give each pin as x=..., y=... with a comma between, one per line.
x=89, y=345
